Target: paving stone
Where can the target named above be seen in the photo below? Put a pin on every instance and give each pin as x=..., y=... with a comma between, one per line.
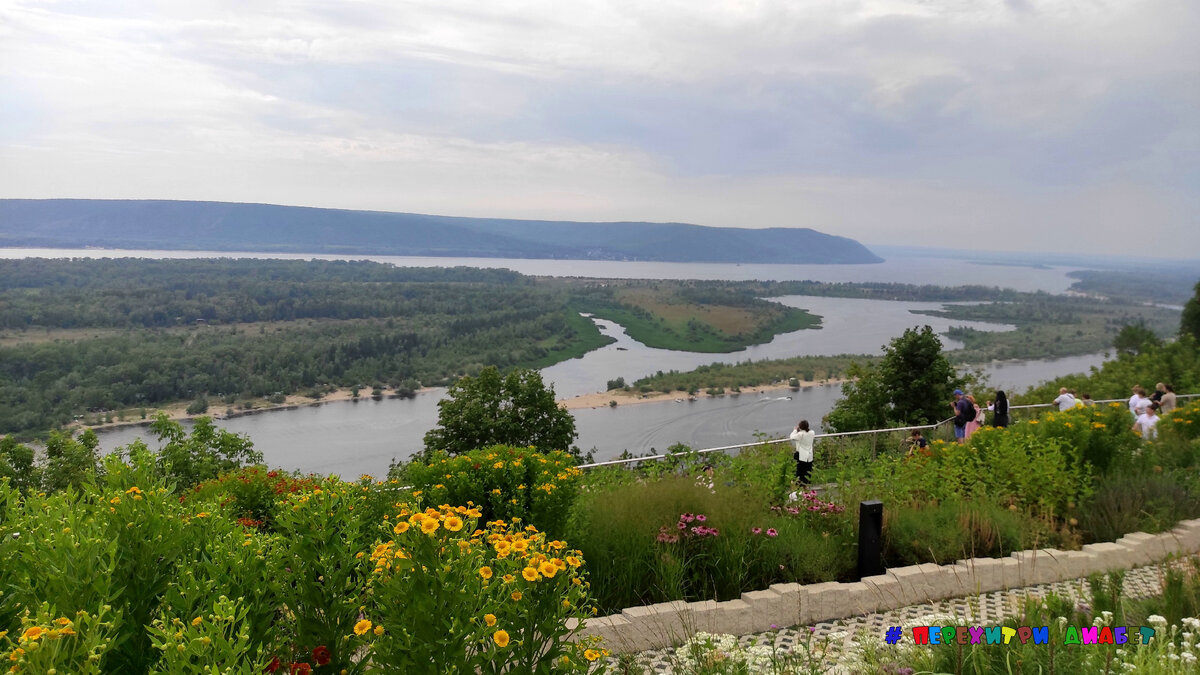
x=838, y=636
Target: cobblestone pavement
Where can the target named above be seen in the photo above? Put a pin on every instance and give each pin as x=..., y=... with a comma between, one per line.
x=838, y=638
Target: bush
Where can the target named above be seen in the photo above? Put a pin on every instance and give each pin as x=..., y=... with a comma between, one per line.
x=943, y=532
x=630, y=532
x=503, y=481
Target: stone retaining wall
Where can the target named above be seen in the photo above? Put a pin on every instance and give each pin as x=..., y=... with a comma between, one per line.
x=670, y=623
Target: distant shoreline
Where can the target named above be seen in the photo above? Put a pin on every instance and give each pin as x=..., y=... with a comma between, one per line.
x=600, y=399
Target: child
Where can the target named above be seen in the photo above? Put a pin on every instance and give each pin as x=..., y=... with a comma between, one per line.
x=918, y=443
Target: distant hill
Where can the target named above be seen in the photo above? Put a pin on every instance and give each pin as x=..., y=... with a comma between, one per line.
x=221, y=226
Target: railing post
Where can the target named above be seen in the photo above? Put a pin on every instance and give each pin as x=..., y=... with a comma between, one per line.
x=870, y=538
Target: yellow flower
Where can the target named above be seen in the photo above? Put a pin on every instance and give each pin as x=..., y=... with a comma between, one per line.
x=379, y=630
x=135, y=490
x=362, y=627
x=508, y=578
x=520, y=545
x=501, y=638
x=573, y=561
x=591, y=655
x=489, y=619
x=429, y=525
x=548, y=569
x=32, y=633
x=67, y=630
x=454, y=523
x=400, y=528
x=16, y=656
x=197, y=621
x=530, y=574
x=517, y=596
x=485, y=572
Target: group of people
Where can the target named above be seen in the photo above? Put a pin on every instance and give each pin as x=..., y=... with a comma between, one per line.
x=1146, y=409
x=969, y=416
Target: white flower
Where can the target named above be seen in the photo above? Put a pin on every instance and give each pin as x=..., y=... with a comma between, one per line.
x=1191, y=622
x=1156, y=620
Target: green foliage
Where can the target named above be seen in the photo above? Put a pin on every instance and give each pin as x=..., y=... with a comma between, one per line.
x=911, y=385
x=625, y=530
x=48, y=641
x=135, y=578
x=1189, y=321
x=198, y=407
x=511, y=590
x=503, y=482
x=1135, y=338
x=1176, y=363
x=214, y=641
x=204, y=454
x=493, y=409
x=942, y=532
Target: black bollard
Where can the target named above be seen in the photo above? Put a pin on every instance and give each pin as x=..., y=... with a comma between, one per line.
x=870, y=538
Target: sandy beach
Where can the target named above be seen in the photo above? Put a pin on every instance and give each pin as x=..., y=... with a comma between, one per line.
x=600, y=399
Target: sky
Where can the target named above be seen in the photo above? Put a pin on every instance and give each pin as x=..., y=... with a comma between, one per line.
x=1009, y=125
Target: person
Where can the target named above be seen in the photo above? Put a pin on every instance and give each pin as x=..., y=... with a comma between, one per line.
x=976, y=420
x=1167, y=403
x=1145, y=424
x=917, y=443
x=1000, y=409
x=1086, y=399
x=802, y=439
x=1138, y=402
x=1157, y=394
x=1065, y=400
x=963, y=413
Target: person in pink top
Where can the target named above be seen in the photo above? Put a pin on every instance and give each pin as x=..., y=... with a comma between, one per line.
x=977, y=421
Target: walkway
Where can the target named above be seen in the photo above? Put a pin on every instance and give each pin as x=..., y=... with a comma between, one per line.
x=838, y=642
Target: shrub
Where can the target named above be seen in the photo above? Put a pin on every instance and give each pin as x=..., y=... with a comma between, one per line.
x=504, y=482
x=488, y=600
x=943, y=532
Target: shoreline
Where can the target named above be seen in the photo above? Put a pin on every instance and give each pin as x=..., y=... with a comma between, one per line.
x=601, y=399
x=622, y=397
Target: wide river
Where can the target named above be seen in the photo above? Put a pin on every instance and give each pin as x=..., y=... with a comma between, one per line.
x=351, y=438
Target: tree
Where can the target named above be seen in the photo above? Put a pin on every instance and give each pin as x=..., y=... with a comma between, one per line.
x=1189, y=321
x=1135, y=338
x=493, y=409
x=911, y=385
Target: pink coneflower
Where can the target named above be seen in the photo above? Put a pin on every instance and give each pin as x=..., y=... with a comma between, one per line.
x=701, y=517
x=771, y=532
x=756, y=530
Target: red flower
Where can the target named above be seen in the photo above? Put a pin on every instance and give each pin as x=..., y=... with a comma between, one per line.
x=321, y=656
x=272, y=666
x=300, y=669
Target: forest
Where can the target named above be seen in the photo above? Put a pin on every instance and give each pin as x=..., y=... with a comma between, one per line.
x=89, y=336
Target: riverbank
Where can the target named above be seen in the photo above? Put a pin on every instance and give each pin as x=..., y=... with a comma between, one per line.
x=623, y=397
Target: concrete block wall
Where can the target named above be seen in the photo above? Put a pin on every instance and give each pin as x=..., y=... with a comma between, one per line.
x=670, y=623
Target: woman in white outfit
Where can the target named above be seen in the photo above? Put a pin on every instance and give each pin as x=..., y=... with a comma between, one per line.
x=802, y=439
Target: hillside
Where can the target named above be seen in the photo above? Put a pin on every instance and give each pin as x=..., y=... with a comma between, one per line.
x=220, y=226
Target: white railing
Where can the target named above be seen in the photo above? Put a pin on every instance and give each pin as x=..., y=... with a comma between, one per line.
x=843, y=434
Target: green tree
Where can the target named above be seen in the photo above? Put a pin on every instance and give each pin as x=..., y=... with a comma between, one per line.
x=1135, y=338
x=204, y=454
x=492, y=409
x=1189, y=321
x=911, y=385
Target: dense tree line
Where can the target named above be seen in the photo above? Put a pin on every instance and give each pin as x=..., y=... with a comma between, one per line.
x=84, y=293
x=330, y=324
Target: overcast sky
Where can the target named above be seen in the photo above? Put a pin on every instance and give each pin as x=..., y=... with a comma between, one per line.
x=1047, y=125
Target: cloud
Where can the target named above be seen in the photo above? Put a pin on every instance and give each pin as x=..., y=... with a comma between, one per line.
x=726, y=113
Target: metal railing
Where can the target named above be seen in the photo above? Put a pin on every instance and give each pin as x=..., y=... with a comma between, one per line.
x=874, y=433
